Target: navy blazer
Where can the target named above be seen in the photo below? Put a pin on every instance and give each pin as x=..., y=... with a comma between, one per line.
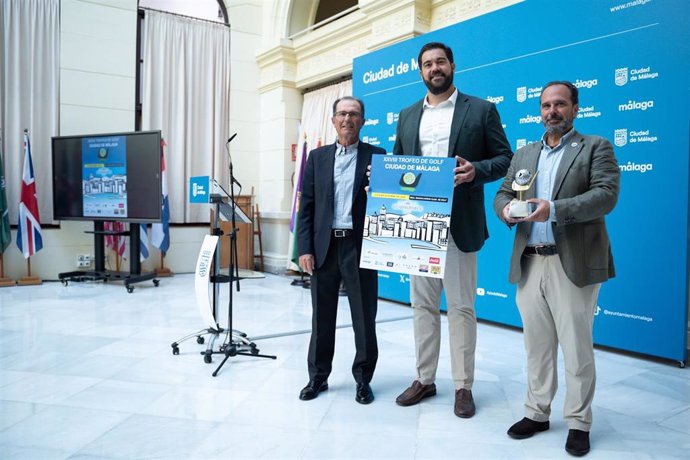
x=477, y=135
x=315, y=219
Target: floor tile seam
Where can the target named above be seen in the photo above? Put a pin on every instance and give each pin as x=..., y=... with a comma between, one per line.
x=308, y=331
x=3, y=445
x=643, y=419
x=81, y=447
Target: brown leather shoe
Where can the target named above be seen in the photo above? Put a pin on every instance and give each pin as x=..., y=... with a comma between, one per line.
x=464, y=403
x=415, y=393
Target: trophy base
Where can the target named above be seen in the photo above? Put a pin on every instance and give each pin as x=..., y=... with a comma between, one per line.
x=520, y=209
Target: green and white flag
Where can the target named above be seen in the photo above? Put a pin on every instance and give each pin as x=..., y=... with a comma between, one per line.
x=4, y=212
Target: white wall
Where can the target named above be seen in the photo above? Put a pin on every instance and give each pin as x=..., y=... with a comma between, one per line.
x=97, y=95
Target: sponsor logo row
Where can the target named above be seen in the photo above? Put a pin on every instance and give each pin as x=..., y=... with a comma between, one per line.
x=621, y=137
x=585, y=112
x=622, y=76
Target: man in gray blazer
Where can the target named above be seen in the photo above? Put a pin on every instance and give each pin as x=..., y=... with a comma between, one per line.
x=447, y=123
x=561, y=255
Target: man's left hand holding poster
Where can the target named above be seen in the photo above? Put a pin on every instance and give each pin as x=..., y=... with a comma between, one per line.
x=407, y=221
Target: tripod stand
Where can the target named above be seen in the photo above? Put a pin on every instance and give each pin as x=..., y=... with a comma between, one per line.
x=235, y=342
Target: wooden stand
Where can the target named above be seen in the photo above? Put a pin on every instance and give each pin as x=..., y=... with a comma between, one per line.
x=163, y=271
x=5, y=282
x=257, y=233
x=29, y=280
x=245, y=237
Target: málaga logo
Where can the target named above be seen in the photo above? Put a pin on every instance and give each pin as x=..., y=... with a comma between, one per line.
x=621, y=76
x=620, y=137
x=521, y=94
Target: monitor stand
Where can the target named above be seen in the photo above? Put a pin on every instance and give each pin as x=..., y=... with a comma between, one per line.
x=100, y=273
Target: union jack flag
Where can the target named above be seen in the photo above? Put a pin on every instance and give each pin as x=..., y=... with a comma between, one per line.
x=29, y=237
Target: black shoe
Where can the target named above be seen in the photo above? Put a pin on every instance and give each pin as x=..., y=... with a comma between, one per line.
x=312, y=390
x=526, y=428
x=364, y=394
x=577, y=443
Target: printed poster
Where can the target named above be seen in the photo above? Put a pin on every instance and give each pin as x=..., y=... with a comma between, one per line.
x=104, y=176
x=407, y=224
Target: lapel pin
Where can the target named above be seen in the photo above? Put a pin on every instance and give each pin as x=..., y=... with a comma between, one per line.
x=574, y=144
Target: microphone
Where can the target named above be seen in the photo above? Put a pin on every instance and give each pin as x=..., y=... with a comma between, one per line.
x=232, y=178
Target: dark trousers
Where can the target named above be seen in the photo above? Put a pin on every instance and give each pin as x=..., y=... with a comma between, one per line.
x=342, y=263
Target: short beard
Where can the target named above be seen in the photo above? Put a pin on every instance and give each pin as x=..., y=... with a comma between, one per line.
x=436, y=90
x=559, y=129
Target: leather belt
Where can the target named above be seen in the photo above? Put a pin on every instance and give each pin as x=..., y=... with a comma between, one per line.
x=342, y=232
x=541, y=250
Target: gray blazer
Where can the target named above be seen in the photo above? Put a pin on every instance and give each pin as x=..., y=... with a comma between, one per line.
x=586, y=189
x=477, y=135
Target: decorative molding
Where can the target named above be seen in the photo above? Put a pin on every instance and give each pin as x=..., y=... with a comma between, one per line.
x=278, y=67
x=449, y=12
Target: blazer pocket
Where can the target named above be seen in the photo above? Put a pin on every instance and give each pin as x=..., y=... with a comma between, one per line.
x=596, y=246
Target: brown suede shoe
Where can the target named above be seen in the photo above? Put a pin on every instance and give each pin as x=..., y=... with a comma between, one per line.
x=415, y=393
x=464, y=403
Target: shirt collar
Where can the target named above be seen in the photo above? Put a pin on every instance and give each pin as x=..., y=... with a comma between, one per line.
x=350, y=148
x=451, y=100
x=561, y=142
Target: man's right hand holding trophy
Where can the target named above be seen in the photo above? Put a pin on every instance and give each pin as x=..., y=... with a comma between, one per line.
x=530, y=210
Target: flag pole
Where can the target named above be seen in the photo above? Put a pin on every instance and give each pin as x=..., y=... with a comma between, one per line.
x=160, y=232
x=29, y=280
x=4, y=282
x=29, y=240
x=163, y=271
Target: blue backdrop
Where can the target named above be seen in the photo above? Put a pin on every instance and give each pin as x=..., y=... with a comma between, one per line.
x=630, y=60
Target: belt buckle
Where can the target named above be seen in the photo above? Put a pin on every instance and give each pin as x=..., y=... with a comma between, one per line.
x=339, y=233
x=543, y=250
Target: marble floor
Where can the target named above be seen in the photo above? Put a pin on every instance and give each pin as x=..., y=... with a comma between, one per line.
x=87, y=372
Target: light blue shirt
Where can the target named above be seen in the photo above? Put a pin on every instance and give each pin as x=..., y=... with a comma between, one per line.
x=541, y=233
x=343, y=182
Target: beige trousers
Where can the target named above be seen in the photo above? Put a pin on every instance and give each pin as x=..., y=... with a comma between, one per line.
x=460, y=284
x=554, y=311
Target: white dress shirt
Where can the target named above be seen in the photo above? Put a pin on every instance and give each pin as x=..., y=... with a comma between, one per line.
x=434, y=128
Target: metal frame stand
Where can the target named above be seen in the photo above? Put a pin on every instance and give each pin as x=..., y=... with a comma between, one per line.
x=100, y=273
x=235, y=342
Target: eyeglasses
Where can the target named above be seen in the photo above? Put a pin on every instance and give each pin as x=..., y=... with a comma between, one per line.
x=345, y=114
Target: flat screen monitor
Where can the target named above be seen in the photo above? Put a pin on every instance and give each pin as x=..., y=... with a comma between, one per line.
x=107, y=177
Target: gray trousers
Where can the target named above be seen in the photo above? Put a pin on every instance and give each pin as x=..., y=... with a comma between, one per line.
x=554, y=311
x=460, y=284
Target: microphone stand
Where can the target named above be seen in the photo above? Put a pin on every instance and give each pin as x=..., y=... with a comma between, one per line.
x=236, y=342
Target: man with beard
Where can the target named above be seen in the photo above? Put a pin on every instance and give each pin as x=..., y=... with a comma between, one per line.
x=447, y=123
x=329, y=238
x=561, y=255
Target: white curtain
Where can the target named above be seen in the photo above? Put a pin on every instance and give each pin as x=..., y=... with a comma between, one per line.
x=29, y=94
x=186, y=94
x=316, y=129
